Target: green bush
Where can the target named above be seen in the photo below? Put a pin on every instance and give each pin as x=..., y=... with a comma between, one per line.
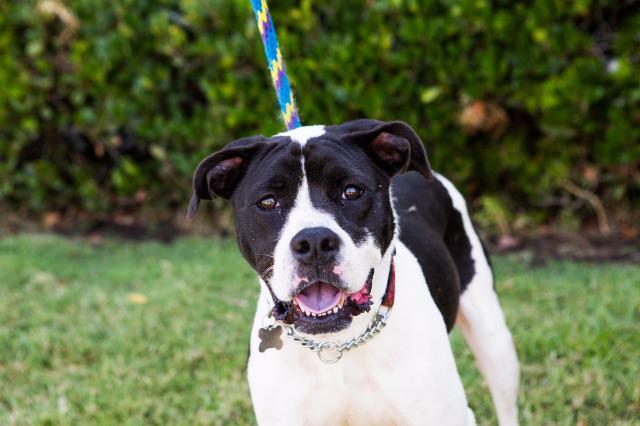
x=107, y=103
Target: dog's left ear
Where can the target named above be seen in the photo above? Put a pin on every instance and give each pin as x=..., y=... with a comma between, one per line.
x=220, y=173
x=393, y=146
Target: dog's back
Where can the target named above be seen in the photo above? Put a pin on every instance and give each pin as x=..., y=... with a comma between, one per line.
x=433, y=229
x=435, y=225
x=427, y=224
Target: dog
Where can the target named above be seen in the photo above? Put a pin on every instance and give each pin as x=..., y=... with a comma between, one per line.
x=366, y=259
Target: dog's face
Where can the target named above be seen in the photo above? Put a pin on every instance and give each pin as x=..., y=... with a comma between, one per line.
x=313, y=211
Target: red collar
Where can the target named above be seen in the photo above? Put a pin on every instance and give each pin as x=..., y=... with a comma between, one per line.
x=390, y=292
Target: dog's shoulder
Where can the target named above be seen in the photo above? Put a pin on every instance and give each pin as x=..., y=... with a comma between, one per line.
x=414, y=196
x=433, y=230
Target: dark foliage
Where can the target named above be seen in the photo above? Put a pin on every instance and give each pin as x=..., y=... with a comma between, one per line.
x=109, y=105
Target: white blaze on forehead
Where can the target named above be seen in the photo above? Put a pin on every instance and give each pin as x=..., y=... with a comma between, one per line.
x=302, y=134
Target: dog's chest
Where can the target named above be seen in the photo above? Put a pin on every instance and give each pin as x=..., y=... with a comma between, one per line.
x=361, y=401
x=351, y=392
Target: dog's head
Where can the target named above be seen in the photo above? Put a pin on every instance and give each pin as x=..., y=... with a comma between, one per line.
x=313, y=211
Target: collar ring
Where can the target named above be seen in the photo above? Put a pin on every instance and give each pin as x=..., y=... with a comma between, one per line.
x=329, y=352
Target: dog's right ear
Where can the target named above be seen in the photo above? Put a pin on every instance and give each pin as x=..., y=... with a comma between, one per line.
x=220, y=173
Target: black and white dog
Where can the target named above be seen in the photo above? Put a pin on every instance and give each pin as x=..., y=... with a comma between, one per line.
x=334, y=219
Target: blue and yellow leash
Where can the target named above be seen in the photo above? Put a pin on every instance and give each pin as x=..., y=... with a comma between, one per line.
x=276, y=64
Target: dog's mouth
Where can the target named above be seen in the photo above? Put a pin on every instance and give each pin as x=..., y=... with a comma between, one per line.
x=319, y=299
x=324, y=307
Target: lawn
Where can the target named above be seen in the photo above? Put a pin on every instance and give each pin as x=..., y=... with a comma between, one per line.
x=134, y=333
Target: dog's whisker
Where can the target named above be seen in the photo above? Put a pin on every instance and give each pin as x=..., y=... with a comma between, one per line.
x=266, y=255
x=265, y=272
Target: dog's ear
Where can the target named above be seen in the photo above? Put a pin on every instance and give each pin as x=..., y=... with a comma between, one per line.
x=393, y=146
x=220, y=173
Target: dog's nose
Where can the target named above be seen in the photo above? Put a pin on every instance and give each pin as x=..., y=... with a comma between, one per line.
x=315, y=244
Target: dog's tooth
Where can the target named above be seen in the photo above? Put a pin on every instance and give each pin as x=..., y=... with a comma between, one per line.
x=314, y=314
x=295, y=302
x=335, y=310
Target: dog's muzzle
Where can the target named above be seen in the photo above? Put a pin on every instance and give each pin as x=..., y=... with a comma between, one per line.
x=323, y=307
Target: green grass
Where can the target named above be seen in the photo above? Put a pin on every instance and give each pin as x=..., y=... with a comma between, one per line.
x=75, y=348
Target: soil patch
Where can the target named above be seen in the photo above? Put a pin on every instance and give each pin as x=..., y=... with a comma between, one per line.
x=594, y=248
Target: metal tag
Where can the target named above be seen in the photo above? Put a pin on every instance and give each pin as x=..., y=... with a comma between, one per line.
x=270, y=338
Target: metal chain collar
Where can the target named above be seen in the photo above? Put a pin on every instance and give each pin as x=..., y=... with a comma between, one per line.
x=330, y=351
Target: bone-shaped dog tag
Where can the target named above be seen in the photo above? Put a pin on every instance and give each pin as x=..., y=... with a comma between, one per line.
x=270, y=338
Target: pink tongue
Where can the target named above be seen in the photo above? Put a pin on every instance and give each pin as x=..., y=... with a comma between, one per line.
x=319, y=297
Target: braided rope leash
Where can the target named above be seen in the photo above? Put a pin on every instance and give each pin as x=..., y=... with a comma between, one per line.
x=276, y=64
x=328, y=351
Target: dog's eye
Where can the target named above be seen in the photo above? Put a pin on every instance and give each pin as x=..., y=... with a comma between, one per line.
x=352, y=192
x=268, y=203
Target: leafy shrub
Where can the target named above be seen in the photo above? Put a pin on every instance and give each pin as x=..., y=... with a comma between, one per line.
x=108, y=103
